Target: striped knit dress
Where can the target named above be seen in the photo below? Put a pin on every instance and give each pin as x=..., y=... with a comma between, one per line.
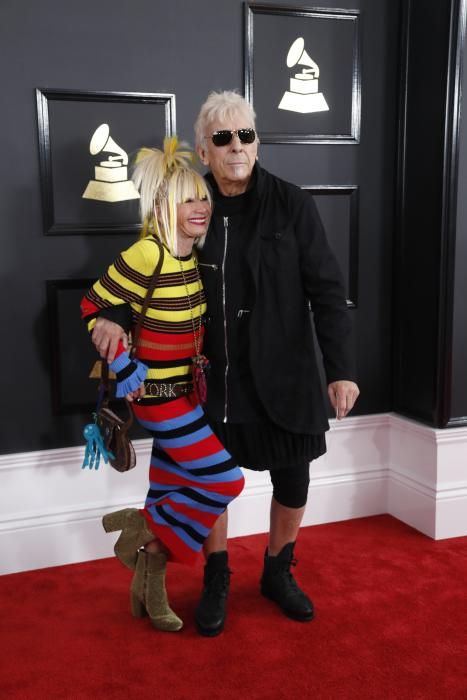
x=192, y=478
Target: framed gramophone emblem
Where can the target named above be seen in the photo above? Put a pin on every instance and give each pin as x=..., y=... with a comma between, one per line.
x=87, y=141
x=302, y=73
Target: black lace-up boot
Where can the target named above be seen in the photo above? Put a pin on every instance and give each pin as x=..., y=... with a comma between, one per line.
x=278, y=584
x=210, y=613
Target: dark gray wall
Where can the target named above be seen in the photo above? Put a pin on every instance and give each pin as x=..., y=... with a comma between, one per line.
x=430, y=372
x=188, y=49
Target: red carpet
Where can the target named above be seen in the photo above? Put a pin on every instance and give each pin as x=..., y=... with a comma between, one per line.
x=391, y=623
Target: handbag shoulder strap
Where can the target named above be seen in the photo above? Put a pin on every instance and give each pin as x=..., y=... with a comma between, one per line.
x=147, y=298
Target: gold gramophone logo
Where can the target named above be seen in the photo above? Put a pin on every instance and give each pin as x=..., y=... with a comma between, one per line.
x=304, y=95
x=111, y=183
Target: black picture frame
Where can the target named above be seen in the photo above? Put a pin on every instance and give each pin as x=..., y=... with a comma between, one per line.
x=67, y=122
x=338, y=206
x=72, y=355
x=333, y=113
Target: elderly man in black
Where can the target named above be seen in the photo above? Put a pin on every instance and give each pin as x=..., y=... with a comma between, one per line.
x=265, y=261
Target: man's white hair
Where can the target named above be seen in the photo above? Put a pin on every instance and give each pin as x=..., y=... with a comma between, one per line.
x=221, y=106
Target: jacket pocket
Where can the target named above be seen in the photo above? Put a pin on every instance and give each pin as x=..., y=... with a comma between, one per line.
x=277, y=235
x=279, y=249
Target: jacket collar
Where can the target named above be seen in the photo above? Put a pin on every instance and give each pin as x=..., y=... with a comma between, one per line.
x=257, y=181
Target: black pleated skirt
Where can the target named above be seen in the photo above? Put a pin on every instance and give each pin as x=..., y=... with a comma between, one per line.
x=261, y=446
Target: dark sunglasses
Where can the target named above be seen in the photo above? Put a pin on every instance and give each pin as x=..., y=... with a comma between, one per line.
x=225, y=136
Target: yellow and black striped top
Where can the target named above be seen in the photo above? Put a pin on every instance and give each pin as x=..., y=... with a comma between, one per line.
x=166, y=343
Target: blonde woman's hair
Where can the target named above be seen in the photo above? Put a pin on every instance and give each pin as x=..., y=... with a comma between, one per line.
x=165, y=179
x=220, y=106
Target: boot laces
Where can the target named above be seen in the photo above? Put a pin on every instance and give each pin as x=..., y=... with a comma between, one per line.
x=217, y=583
x=286, y=581
x=291, y=580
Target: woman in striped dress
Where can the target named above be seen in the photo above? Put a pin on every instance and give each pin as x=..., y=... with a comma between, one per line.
x=192, y=478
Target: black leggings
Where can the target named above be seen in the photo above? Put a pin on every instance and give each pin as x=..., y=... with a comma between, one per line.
x=290, y=485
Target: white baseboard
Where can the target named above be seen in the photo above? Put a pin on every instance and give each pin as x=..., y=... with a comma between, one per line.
x=427, y=485
x=51, y=509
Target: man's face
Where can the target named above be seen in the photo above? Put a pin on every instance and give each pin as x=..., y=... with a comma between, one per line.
x=233, y=163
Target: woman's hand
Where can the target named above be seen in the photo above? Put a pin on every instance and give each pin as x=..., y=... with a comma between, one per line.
x=342, y=395
x=106, y=336
x=137, y=394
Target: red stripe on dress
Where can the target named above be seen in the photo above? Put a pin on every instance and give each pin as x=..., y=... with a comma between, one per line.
x=166, y=338
x=195, y=450
x=197, y=516
x=88, y=307
x=120, y=348
x=162, y=477
x=165, y=411
x=225, y=488
x=165, y=355
x=178, y=550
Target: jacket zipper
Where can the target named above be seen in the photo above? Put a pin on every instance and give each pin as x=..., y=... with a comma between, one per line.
x=212, y=265
x=226, y=227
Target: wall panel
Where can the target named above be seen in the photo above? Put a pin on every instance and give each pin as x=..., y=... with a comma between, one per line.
x=184, y=49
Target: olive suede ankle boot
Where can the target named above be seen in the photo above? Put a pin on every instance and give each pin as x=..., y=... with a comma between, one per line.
x=135, y=533
x=148, y=593
x=211, y=610
x=279, y=585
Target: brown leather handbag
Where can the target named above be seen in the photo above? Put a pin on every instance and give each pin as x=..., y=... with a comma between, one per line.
x=114, y=430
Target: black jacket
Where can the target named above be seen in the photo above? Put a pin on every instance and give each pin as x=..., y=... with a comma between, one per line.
x=292, y=268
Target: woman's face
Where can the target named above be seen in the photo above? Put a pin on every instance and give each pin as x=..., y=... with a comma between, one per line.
x=193, y=217
x=232, y=164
